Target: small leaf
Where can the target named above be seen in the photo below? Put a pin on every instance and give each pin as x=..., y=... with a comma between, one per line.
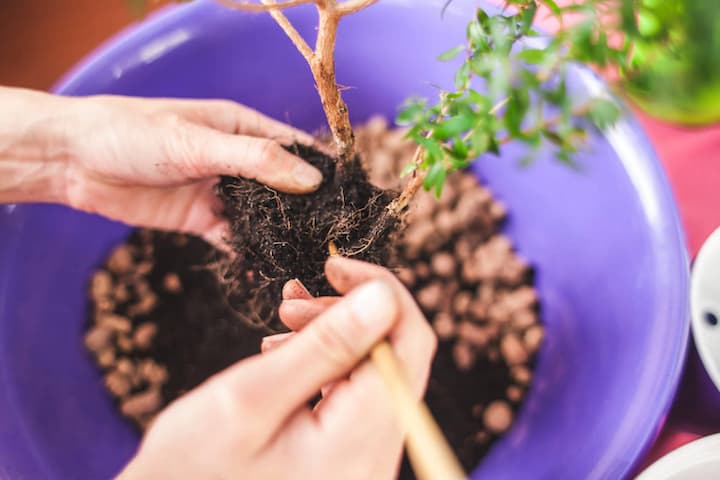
x=493, y=146
x=453, y=126
x=433, y=152
x=648, y=23
x=555, y=96
x=553, y=136
x=462, y=76
x=483, y=18
x=528, y=16
x=604, y=113
x=534, y=139
x=479, y=65
x=407, y=170
x=479, y=99
x=515, y=111
x=435, y=177
x=459, y=150
x=450, y=54
x=532, y=56
x=476, y=34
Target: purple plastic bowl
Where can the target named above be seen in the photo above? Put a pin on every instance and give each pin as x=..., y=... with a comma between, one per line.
x=606, y=241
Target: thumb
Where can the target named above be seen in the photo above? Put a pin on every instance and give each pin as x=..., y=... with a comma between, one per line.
x=276, y=385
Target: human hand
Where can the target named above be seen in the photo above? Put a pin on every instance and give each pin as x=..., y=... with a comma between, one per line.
x=146, y=162
x=252, y=420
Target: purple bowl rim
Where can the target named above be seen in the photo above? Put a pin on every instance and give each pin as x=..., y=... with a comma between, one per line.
x=158, y=20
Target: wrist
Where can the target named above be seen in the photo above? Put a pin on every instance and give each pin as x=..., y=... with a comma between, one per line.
x=33, y=146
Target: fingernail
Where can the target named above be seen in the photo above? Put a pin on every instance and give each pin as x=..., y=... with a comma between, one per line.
x=294, y=289
x=373, y=304
x=304, y=138
x=301, y=286
x=307, y=175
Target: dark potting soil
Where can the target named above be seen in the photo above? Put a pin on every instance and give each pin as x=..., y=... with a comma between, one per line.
x=280, y=237
x=198, y=333
x=158, y=301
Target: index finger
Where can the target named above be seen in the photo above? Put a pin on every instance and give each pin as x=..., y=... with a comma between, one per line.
x=231, y=117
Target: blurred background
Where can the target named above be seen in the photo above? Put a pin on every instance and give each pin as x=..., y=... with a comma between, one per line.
x=41, y=39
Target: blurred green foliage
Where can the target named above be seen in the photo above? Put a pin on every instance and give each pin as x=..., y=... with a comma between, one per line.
x=674, y=68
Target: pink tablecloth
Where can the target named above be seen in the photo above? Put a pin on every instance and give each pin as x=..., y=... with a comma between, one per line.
x=692, y=161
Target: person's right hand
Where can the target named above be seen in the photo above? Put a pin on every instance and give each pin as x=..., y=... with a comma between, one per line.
x=253, y=419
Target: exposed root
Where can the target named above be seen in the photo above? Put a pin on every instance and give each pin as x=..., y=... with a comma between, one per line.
x=278, y=237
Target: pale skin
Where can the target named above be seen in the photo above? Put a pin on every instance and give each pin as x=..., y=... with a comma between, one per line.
x=153, y=163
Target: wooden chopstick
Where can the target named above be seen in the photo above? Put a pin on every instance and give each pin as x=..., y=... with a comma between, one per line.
x=430, y=455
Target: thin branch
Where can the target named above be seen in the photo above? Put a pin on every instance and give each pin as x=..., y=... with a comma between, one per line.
x=397, y=206
x=290, y=31
x=265, y=7
x=352, y=6
x=323, y=69
x=321, y=60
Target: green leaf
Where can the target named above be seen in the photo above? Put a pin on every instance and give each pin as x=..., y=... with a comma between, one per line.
x=553, y=136
x=450, y=54
x=476, y=34
x=483, y=18
x=533, y=139
x=648, y=24
x=479, y=65
x=462, y=76
x=459, y=150
x=493, y=146
x=532, y=56
x=528, y=16
x=453, y=126
x=435, y=178
x=515, y=111
x=604, y=113
x=479, y=99
x=555, y=96
x=407, y=170
x=433, y=152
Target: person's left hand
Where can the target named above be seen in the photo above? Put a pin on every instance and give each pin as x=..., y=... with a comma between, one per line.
x=146, y=162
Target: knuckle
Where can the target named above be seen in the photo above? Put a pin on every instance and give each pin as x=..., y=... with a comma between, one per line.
x=268, y=151
x=225, y=113
x=182, y=147
x=166, y=118
x=231, y=402
x=333, y=343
